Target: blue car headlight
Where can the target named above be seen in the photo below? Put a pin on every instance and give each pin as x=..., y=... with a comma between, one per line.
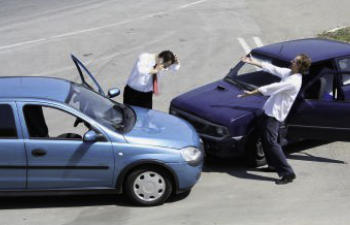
x=192, y=155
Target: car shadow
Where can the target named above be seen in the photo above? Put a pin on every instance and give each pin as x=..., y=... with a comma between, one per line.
x=239, y=169
x=233, y=167
x=33, y=202
x=64, y=201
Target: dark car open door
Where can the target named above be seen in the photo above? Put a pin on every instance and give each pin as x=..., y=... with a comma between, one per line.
x=87, y=79
x=321, y=112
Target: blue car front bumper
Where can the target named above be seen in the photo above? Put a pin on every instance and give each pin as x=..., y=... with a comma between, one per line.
x=186, y=175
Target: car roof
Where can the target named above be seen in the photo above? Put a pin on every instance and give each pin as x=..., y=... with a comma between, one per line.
x=317, y=49
x=51, y=88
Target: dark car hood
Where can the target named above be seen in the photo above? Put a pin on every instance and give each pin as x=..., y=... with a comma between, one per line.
x=217, y=102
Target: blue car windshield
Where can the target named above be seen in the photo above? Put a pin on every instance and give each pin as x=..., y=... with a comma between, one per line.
x=113, y=115
x=250, y=77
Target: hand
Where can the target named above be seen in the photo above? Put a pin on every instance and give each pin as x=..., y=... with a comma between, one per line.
x=157, y=68
x=247, y=59
x=245, y=94
x=176, y=60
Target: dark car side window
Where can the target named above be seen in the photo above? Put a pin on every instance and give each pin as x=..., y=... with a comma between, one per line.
x=7, y=122
x=344, y=64
x=345, y=85
x=322, y=83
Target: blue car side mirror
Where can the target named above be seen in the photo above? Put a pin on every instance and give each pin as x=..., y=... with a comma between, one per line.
x=90, y=136
x=114, y=92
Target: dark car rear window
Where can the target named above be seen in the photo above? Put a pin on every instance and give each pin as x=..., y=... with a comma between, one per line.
x=7, y=122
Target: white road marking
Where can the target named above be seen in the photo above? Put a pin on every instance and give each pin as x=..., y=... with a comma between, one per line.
x=107, y=57
x=244, y=45
x=87, y=5
x=258, y=41
x=22, y=43
x=191, y=4
x=335, y=29
x=68, y=34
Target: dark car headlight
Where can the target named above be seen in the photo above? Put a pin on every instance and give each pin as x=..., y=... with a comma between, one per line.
x=172, y=111
x=217, y=131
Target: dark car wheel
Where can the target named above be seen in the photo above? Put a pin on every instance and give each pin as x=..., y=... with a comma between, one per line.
x=148, y=187
x=255, y=155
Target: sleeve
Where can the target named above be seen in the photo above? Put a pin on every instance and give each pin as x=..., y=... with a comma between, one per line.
x=273, y=88
x=142, y=65
x=275, y=70
x=174, y=67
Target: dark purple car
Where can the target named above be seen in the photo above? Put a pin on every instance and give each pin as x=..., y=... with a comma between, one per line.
x=322, y=109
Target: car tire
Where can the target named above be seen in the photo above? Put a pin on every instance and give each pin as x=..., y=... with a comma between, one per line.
x=255, y=155
x=148, y=186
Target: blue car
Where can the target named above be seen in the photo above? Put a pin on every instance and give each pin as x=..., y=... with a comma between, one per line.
x=61, y=137
x=227, y=124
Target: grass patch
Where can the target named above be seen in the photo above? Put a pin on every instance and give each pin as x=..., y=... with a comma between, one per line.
x=341, y=34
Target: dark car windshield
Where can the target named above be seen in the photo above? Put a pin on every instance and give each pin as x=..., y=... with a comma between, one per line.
x=115, y=116
x=247, y=76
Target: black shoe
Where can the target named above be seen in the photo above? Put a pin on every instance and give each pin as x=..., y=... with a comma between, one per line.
x=285, y=179
x=268, y=169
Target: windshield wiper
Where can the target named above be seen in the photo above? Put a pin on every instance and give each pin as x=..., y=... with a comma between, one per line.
x=240, y=84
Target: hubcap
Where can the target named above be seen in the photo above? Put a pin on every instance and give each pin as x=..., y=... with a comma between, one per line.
x=149, y=186
x=259, y=149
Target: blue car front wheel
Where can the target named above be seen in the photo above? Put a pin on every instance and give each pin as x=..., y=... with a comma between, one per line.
x=148, y=186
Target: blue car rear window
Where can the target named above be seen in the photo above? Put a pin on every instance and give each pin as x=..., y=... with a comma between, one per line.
x=7, y=122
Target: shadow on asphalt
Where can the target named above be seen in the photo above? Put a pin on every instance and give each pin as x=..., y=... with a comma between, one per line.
x=301, y=146
x=233, y=167
x=239, y=169
x=73, y=201
x=62, y=201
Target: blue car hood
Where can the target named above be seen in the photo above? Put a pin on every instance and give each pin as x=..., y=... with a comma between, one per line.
x=161, y=129
x=218, y=102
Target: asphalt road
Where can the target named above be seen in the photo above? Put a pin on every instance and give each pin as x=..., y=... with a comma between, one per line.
x=37, y=36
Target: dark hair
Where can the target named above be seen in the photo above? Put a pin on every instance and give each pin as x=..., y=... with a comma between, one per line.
x=167, y=56
x=303, y=63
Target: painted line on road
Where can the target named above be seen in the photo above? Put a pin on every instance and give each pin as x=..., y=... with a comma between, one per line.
x=335, y=29
x=107, y=57
x=244, y=45
x=68, y=34
x=192, y=4
x=258, y=41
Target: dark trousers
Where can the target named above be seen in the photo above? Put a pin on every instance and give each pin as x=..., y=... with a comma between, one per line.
x=269, y=128
x=137, y=98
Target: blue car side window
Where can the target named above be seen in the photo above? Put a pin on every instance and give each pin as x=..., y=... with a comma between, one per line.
x=53, y=123
x=7, y=122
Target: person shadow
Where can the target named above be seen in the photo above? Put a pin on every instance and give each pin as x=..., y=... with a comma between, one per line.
x=239, y=168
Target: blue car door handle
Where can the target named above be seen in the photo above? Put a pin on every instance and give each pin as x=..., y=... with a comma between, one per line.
x=38, y=152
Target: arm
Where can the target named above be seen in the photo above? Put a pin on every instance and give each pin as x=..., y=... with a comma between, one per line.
x=270, y=89
x=144, y=67
x=275, y=70
x=267, y=67
x=248, y=93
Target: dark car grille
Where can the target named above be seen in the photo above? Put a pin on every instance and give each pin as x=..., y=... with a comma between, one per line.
x=203, y=127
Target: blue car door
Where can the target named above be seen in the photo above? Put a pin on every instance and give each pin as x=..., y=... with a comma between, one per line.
x=12, y=153
x=57, y=155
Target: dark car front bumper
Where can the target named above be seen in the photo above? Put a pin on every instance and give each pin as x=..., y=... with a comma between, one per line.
x=217, y=139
